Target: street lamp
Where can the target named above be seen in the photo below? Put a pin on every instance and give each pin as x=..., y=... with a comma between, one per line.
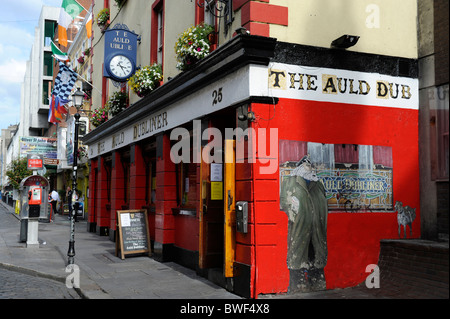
x=77, y=99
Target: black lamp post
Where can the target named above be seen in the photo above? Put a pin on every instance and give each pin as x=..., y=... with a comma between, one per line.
x=77, y=99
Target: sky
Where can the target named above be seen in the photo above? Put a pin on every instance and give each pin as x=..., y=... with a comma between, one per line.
x=18, y=19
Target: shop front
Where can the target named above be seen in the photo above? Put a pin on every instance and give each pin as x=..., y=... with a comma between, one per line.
x=269, y=168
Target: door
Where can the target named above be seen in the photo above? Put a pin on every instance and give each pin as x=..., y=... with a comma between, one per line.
x=210, y=216
x=217, y=199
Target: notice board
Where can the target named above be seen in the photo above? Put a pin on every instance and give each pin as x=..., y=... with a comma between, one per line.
x=132, y=235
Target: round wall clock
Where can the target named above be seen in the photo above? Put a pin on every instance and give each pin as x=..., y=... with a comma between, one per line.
x=121, y=67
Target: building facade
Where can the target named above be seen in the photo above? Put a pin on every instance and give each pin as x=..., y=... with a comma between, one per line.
x=279, y=161
x=34, y=102
x=434, y=119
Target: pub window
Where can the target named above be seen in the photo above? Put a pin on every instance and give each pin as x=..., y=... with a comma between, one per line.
x=186, y=181
x=126, y=177
x=187, y=185
x=160, y=37
x=149, y=156
x=157, y=32
x=107, y=163
x=209, y=17
x=150, y=183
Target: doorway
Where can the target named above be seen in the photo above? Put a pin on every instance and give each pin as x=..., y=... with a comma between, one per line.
x=216, y=209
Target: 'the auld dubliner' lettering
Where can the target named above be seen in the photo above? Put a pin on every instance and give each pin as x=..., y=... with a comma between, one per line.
x=149, y=125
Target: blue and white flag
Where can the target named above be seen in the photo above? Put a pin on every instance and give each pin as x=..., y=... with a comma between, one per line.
x=64, y=82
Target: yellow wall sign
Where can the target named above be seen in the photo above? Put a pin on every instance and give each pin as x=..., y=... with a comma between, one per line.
x=216, y=190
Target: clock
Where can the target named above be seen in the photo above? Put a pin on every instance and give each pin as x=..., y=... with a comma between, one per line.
x=121, y=67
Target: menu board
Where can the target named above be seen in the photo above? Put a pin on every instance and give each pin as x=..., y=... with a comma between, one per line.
x=133, y=234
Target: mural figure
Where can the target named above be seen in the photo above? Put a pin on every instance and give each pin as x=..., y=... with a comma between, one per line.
x=405, y=216
x=303, y=199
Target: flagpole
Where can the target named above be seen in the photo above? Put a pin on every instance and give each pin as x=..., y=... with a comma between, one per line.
x=88, y=83
x=80, y=5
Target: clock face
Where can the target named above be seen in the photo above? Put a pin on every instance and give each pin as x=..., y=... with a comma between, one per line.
x=121, y=67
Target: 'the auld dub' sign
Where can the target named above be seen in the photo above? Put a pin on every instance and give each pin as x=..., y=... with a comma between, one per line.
x=342, y=86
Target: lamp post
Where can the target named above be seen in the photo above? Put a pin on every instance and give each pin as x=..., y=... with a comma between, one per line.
x=77, y=99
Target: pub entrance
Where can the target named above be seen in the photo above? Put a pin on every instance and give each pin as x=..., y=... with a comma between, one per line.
x=216, y=190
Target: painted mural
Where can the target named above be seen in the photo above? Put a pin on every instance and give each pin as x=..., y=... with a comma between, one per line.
x=303, y=199
x=317, y=179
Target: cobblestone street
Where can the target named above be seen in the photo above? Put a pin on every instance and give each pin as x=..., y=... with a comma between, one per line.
x=16, y=285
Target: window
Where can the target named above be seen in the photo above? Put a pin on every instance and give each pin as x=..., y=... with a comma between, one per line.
x=48, y=64
x=126, y=177
x=46, y=89
x=49, y=31
x=160, y=37
x=186, y=185
x=157, y=32
x=209, y=17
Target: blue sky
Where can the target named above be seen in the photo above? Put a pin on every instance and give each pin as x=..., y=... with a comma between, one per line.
x=18, y=19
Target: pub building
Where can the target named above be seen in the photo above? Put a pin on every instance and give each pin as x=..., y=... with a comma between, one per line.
x=270, y=167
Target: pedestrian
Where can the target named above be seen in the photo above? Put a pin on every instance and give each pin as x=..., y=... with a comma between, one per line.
x=54, y=199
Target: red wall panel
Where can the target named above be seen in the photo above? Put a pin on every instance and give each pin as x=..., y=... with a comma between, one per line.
x=353, y=238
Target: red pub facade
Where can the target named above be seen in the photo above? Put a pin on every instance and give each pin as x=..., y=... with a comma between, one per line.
x=271, y=167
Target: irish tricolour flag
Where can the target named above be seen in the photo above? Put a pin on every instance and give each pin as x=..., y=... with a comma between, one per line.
x=70, y=9
x=57, y=53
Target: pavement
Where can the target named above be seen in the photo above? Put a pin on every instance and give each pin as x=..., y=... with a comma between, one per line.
x=102, y=274
x=105, y=276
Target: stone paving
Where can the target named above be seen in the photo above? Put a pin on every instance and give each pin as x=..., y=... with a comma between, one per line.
x=17, y=285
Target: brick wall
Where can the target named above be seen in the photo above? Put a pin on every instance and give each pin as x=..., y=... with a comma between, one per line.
x=414, y=265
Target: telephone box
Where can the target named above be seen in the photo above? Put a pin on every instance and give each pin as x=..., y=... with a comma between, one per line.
x=33, y=192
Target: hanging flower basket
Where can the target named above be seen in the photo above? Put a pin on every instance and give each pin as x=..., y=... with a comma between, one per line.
x=146, y=79
x=103, y=18
x=99, y=116
x=193, y=45
x=81, y=59
x=117, y=103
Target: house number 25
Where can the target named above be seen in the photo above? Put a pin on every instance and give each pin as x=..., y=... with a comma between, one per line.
x=217, y=96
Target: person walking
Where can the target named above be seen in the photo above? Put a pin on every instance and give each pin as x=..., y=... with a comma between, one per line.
x=54, y=199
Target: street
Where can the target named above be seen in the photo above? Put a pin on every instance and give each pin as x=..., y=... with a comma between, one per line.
x=16, y=285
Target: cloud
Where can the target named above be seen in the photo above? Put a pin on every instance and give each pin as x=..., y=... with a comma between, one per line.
x=13, y=71
x=18, y=21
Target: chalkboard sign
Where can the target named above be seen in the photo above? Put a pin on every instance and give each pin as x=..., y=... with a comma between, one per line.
x=132, y=232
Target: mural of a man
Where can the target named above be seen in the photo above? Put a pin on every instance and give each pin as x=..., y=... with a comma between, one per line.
x=303, y=199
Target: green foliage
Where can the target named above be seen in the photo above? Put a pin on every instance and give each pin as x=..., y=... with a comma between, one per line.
x=192, y=45
x=99, y=116
x=18, y=170
x=103, y=17
x=117, y=103
x=146, y=79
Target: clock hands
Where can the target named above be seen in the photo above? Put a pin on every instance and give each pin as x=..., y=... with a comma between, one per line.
x=121, y=66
